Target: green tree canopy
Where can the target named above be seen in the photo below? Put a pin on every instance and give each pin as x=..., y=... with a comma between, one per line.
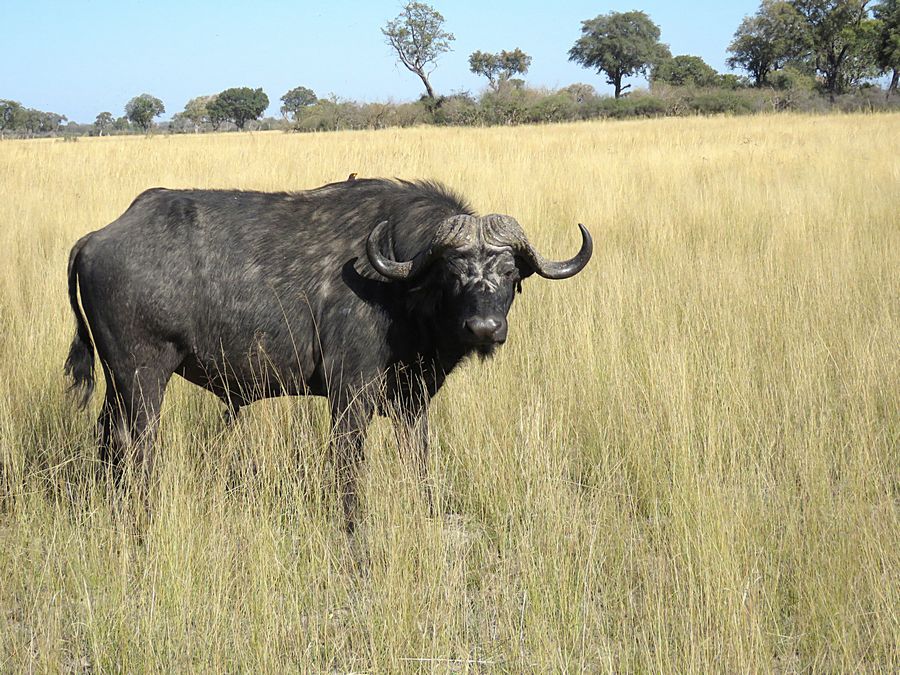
x=296, y=100
x=10, y=115
x=196, y=111
x=684, y=70
x=51, y=121
x=499, y=68
x=767, y=40
x=239, y=105
x=141, y=110
x=887, y=40
x=104, y=123
x=418, y=37
x=839, y=39
x=620, y=44
x=37, y=121
x=30, y=120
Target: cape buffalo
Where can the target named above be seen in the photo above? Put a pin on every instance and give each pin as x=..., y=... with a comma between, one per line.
x=368, y=292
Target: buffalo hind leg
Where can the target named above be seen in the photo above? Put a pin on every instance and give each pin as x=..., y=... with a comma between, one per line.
x=108, y=453
x=128, y=422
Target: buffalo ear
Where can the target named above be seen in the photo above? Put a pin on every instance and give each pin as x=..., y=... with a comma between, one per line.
x=525, y=269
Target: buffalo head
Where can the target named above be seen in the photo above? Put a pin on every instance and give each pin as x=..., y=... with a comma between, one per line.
x=475, y=264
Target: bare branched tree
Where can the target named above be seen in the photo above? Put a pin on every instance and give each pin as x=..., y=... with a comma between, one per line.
x=418, y=36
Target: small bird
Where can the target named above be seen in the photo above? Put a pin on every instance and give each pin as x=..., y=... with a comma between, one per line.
x=351, y=177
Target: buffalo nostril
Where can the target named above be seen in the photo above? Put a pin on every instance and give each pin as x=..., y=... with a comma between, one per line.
x=484, y=328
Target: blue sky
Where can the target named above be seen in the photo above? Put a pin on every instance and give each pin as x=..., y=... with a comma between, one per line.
x=81, y=57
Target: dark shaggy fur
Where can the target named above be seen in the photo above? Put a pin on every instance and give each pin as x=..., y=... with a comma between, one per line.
x=252, y=294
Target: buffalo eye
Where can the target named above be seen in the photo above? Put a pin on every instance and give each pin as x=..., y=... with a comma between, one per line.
x=453, y=278
x=510, y=273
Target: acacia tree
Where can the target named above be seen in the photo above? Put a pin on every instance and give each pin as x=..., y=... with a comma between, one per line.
x=887, y=40
x=620, y=44
x=239, y=105
x=103, y=123
x=418, y=37
x=142, y=109
x=499, y=68
x=767, y=40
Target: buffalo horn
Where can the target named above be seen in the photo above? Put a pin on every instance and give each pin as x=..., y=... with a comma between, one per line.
x=453, y=231
x=398, y=271
x=505, y=230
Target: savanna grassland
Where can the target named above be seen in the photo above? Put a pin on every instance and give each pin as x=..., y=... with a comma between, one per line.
x=685, y=459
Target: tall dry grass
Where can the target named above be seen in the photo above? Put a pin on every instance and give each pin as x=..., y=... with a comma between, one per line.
x=685, y=459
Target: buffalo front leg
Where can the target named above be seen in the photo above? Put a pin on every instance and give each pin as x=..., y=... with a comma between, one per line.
x=350, y=416
x=411, y=431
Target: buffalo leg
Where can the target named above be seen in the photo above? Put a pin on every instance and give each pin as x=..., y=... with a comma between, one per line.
x=137, y=366
x=129, y=419
x=104, y=432
x=231, y=412
x=350, y=416
x=411, y=431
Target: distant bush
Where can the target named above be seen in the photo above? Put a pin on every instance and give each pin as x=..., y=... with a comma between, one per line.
x=458, y=110
x=555, y=107
x=508, y=106
x=792, y=79
x=729, y=81
x=867, y=99
x=717, y=102
x=636, y=104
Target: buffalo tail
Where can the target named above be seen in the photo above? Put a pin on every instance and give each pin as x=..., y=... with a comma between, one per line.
x=80, y=362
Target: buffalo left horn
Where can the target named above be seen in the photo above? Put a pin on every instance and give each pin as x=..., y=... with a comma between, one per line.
x=451, y=232
x=504, y=230
x=398, y=271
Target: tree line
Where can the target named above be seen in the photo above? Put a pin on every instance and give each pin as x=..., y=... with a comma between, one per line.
x=791, y=51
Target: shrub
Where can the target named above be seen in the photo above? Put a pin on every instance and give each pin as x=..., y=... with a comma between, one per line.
x=458, y=110
x=712, y=102
x=505, y=107
x=558, y=107
x=634, y=105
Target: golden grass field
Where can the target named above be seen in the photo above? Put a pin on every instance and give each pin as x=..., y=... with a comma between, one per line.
x=684, y=460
